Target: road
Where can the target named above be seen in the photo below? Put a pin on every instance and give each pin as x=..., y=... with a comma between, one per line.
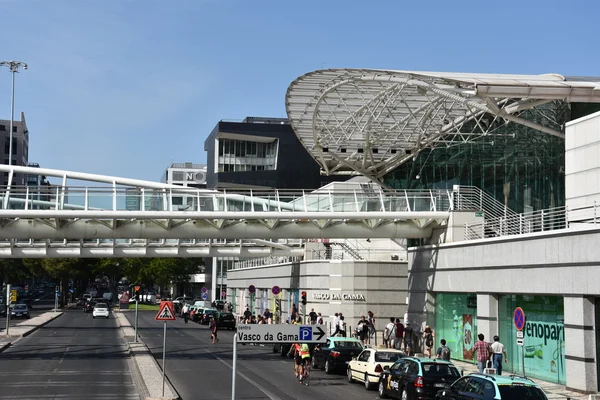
x=199, y=369
x=73, y=357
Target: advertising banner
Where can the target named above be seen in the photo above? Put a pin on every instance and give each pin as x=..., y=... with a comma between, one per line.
x=544, y=349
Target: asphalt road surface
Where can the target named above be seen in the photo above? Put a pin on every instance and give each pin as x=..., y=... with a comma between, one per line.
x=73, y=357
x=198, y=369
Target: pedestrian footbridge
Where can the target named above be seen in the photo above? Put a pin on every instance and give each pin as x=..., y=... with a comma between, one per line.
x=87, y=211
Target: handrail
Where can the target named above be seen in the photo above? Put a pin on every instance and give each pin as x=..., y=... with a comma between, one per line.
x=535, y=221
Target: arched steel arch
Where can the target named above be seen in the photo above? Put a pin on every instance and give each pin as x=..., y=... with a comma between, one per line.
x=368, y=122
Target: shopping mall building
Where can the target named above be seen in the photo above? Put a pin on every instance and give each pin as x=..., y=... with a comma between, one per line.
x=519, y=156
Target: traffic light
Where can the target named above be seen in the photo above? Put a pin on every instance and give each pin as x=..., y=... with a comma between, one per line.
x=303, y=298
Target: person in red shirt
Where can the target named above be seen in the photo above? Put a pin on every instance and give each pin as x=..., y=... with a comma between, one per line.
x=484, y=351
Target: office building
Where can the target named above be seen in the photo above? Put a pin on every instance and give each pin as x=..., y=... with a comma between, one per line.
x=20, y=148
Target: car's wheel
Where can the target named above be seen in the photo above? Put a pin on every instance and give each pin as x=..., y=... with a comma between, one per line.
x=315, y=363
x=107, y=317
x=93, y=317
x=328, y=367
x=404, y=394
x=275, y=349
x=367, y=383
x=382, y=389
x=350, y=378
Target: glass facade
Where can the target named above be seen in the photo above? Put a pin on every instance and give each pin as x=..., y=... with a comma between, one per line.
x=456, y=321
x=544, y=336
x=245, y=155
x=530, y=163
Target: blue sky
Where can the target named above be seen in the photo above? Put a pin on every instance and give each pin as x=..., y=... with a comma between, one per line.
x=123, y=87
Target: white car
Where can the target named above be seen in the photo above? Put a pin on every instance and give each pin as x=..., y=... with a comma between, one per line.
x=100, y=310
x=370, y=364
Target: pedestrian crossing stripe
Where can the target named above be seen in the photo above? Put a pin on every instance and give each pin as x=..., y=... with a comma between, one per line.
x=166, y=312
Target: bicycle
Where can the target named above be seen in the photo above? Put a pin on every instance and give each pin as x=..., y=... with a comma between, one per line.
x=305, y=377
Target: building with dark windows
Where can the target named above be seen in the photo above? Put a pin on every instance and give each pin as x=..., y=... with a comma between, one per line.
x=20, y=148
x=260, y=153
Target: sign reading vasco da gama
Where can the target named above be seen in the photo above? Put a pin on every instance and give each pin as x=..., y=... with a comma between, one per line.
x=339, y=296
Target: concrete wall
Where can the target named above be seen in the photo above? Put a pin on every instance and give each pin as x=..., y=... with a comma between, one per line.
x=582, y=161
x=560, y=263
x=383, y=284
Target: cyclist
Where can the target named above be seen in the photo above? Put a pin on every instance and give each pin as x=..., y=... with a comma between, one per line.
x=295, y=351
x=305, y=358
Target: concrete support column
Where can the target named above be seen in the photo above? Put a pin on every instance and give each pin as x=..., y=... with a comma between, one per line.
x=487, y=315
x=580, y=344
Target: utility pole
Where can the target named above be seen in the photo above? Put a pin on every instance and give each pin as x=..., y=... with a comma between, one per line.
x=13, y=66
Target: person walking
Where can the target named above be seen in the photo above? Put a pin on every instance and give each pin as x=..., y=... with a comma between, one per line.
x=484, y=351
x=371, y=321
x=399, y=335
x=408, y=339
x=389, y=334
x=498, y=350
x=213, y=329
x=428, y=338
x=443, y=352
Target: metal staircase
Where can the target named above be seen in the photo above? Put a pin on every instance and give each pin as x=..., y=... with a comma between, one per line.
x=353, y=252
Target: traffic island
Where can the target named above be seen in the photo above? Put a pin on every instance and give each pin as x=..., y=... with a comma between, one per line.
x=29, y=326
x=148, y=373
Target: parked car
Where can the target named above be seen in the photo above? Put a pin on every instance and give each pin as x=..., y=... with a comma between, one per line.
x=336, y=353
x=417, y=378
x=20, y=311
x=226, y=320
x=483, y=386
x=370, y=364
x=207, y=314
x=100, y=310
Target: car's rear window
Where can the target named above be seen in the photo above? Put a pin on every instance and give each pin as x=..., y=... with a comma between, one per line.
x=435, y=369
x=385, y=356
x=348, y=345
x=101, y=305
x=520, y=392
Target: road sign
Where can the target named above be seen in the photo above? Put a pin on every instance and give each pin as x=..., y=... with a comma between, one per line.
x=251, y=289
x=520, y=342
x=275, y=290
x=136, y=289
x=204, y=290
x=519, y=318
x=281, y=333
x=166, y=312
x=520, y=334
x=204, y=296
x=13, y=296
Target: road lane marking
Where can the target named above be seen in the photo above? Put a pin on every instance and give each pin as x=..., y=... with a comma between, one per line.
x=247, y=379
x=63, y=356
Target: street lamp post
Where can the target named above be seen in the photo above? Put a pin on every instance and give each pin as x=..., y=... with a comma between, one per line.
x=13, y=66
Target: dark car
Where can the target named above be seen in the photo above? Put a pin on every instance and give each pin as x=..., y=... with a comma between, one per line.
x=206, y=315
x=336, y=354
x=226, y=320
x=483, y=386
x=20, y=311
x=417, y=378
x=89, y=306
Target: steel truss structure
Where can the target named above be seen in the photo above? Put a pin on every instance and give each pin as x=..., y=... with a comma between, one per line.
x=368, y=122
x=102, y=220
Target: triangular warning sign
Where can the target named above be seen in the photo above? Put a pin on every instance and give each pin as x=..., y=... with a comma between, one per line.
x=166, y=312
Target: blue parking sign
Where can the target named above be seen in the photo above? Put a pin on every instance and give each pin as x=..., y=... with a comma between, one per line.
x=305, y=333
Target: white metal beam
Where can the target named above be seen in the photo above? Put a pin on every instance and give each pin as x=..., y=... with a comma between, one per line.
x=143, y=252
x=23, y=228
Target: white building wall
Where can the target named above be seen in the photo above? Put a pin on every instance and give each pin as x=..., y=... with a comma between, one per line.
x=582, y=161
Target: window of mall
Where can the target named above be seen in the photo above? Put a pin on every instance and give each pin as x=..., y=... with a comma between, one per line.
x=456, y=321
x=544, y=336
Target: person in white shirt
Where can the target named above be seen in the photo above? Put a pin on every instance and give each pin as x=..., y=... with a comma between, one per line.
x=498, y=350
x=185, y=311
x=335, y=326
x=389, y=333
